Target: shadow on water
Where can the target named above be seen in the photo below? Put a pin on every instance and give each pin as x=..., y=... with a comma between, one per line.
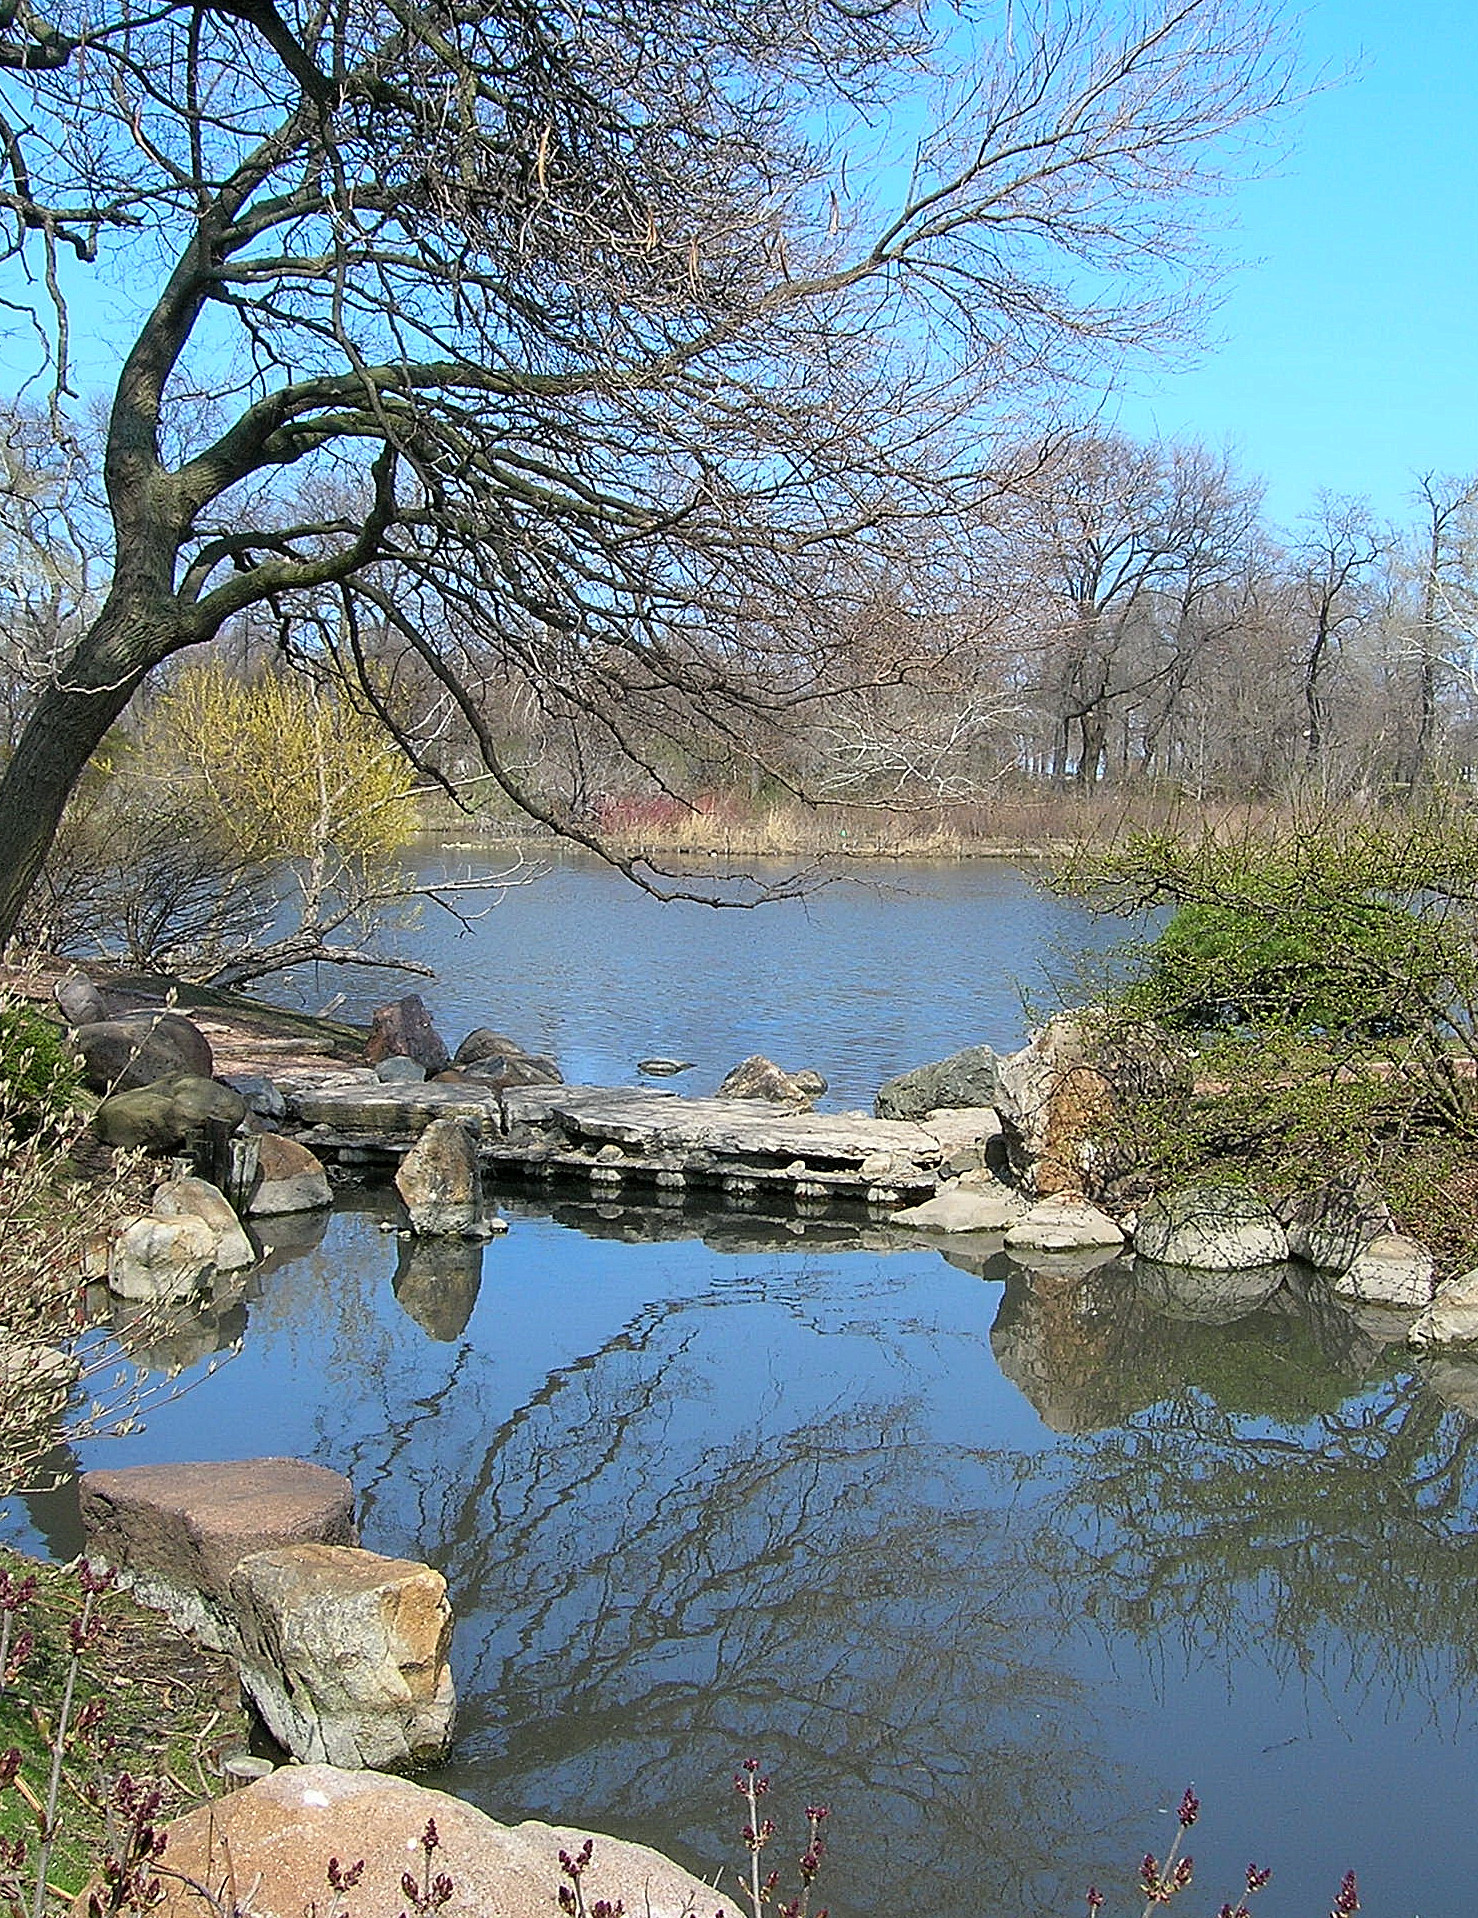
x=991, y=1556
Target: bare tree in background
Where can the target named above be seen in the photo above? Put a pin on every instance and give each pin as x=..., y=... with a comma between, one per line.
x=618, y=365
x=1334, y=563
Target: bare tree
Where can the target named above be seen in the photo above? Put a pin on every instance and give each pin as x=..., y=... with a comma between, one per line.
x=580, y=310
x=1335, y=559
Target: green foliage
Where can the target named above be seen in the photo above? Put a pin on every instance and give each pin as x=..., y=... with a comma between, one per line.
x=1340, y=967
x=39, y=1076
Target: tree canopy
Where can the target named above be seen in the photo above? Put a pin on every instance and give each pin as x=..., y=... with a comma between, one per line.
x=611, y=353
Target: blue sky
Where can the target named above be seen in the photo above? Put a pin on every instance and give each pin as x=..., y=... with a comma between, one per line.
x=1348, y=353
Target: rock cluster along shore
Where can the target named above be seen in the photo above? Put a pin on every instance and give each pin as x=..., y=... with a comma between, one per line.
x=978, y=1143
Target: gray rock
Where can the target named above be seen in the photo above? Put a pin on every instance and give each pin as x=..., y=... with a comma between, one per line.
x=404, y=1029
x=760, y=1078
x=161, y=1259
x=199, y=1199
x=440, y=1180
x=484, y=1043
x=1390, y=1270
x=504, y=1069
x=289, y=1179
x=966, y=1078
x=177, y=1532
x=262, y=1095
x=956, y=1208
x=1214, y=1228
x=81, y=1002
x=1452, y=1317
x=398, y=1070
x=139, y=1048
x=1327, y=1227
x=1063, y=1224
x=344, y=1654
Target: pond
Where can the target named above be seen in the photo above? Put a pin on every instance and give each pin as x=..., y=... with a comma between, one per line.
x=992, y=1559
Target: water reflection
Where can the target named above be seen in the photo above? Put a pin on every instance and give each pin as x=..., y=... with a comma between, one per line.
x=955, y=1541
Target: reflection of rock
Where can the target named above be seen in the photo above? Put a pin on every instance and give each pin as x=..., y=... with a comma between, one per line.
x=1056, y=1349
x=1452, y=1317
x=278, y=1834
x=1057, y=1266
x=1454, y=1382
x=284, y=1234
x=1389, y=1270
x=344, y=1653
x=1217, y=1228
x=437, y=1280
x=1204, y=1295
x=172, y=1340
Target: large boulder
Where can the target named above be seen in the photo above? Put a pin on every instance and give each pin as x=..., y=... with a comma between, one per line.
x=344, y=1654
x=440, y=1180
x=484, y=1043
x=1215, y=1228
x=1390, y=1270
x=138, y=1048
x=161, y=1260
x=1452, y=1317
x=199, y=1199
x=760, y=1078
x=1328, y=1227
x=170, y=1114
x=177, y=1532
x=276, y=1837
x=404, y=1030
x=289, y=1178
x=1058, y=1095
x=965, y=1078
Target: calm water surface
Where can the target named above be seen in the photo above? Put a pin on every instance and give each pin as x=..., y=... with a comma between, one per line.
x=993, y=1560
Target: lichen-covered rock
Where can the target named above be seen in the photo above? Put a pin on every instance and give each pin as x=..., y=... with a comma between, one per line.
x=169, y=1114
x=404, y=1029
x=440, y=1180
x=1390, y=1270
x=344, y=1654
x=1216, y=1228
x=289, y=1179
x=965, y=1078
x=177, y=1532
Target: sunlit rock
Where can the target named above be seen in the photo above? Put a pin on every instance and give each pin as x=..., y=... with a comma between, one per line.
x=1063, y=1224
x=1217, y=1228
x=1452, y=1317
x=1390, y=1270
x=344, y=1654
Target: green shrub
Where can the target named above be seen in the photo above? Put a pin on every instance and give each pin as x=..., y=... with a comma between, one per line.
x=39, y=1076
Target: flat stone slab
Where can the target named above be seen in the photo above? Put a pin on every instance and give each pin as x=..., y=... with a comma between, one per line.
x=177, y=1532
x=737, y=1128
